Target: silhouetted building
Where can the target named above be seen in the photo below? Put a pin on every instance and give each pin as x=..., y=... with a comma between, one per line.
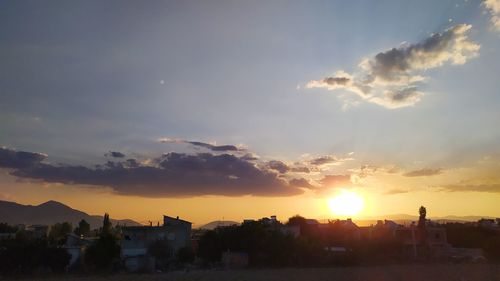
x=76, y=246
x=136, y=241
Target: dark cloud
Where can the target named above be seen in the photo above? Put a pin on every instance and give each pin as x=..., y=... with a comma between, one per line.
x=343, y=81
x=172, y=174
x=249, y=157
x=301, y=169
x=402, y=97
x=323, y=160
x=214, y=147
x=301, y=182
x=330, y=181
x=425, y=172
x=10, y=158
x=218, y=148
x=278, y=166
x=115, y=154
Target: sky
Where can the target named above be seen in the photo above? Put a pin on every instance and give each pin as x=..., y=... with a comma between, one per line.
x=213, y=110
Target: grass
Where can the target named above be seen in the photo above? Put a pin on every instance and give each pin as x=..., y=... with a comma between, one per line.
x=452, y=272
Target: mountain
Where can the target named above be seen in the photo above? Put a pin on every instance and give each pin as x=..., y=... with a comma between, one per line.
x=49, y=213
x=214, y=224
x=408, y=219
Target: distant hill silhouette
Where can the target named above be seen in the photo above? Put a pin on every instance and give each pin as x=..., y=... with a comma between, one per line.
x=49, y=213
x=214, y=224
x=408, y=219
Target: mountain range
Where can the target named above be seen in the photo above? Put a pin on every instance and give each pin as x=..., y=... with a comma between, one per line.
x=407, y=219
x=49, y=213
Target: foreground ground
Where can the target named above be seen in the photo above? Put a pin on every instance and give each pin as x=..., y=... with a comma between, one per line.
x=369, y=273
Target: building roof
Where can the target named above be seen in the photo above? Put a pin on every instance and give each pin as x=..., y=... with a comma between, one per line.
x=177, y=219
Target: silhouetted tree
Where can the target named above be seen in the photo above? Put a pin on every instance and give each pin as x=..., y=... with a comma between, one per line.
x=185, y=255
x=59, y=231
x=83, y=228
x=421, y=229
x=306, y=229
x=209, y=246
x=105, y=252
x=106, y=224
x=26, y=256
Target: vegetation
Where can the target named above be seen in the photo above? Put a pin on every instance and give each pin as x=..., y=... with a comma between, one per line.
x=470, y=236
x=59, y=231
x=6, y=228
x=266, y=246
x=29, y=256
x=83, y=228
x=104, y=254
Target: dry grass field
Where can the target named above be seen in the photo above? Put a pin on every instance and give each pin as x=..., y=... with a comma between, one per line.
x=484, y=272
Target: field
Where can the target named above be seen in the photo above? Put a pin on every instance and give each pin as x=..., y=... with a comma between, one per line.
x=368, y=273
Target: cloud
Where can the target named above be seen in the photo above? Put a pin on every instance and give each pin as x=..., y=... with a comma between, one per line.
x=10, y=158
x=493, y=7
x=425, y=172
x=214, y=147
x=301, y=182
x=399, y=98
x=300, y=169
x=395, y=191
x=390, y=78
x=115, y=154
x=333, y=181
x=323, y=160
x=172, y=174
x=461, y=187
x=219, y=148
x=278, y=166
x=329, y=160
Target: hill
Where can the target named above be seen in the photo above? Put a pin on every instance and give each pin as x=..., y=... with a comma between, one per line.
x=214, y=224
x=49, y=213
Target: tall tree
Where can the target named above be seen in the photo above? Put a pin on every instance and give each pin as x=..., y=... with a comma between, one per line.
x=422, y=231
x=106, y=224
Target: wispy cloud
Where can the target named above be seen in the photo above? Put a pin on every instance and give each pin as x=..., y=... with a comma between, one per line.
x=391, y=78
x=460, y=187
x=115, y=154
x=396, y=191
x=335, y=181
x=425, y=172
x=493, y=7
x=209, y=146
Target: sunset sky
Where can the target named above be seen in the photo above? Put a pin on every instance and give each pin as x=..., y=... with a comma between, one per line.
x=213, y=110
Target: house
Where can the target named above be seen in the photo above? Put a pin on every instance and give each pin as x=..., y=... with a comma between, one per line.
x=435, y=241
x=7, y=235
x=136, y=241
x=37, y=231
x=345, y=228
x=76, y=246
x=489, y=224
x=178, y=232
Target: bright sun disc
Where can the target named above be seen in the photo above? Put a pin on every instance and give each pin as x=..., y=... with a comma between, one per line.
x=347, y=203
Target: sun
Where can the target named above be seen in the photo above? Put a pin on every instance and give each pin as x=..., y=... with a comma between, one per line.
x=347, y=203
